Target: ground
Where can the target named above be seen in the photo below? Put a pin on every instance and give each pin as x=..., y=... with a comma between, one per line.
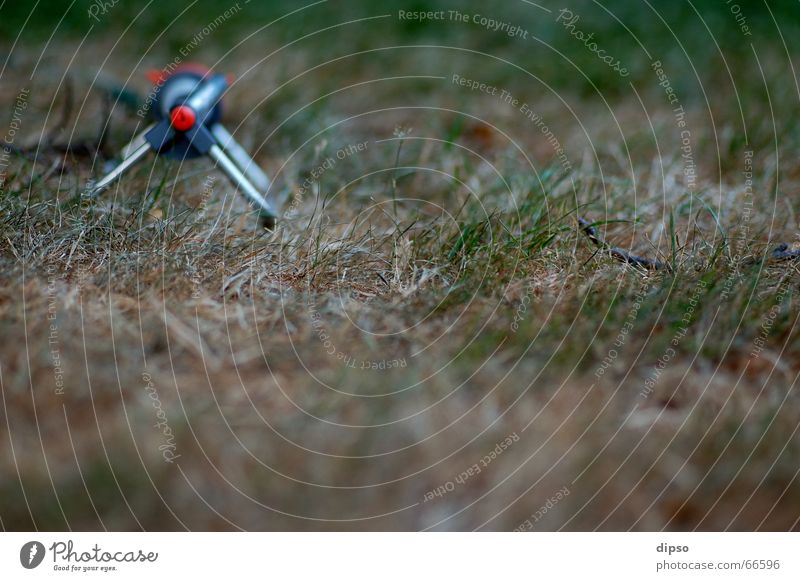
x=439, y=333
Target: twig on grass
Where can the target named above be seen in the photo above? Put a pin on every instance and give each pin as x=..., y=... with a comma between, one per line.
x=781, y=253
x=616, y=252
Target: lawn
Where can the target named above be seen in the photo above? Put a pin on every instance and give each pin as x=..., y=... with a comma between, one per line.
x=535, y=268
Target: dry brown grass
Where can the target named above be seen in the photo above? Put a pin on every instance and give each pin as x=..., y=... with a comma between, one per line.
x=235, y=327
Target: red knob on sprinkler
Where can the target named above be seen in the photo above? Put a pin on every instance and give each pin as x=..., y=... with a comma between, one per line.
x=182, y=118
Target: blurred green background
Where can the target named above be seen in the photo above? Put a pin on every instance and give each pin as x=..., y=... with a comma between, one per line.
x=682, y=29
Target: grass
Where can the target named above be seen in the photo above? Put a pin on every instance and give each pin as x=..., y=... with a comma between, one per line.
x=420, y=302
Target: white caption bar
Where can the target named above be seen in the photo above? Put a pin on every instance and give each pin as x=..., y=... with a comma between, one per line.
x=401, y=556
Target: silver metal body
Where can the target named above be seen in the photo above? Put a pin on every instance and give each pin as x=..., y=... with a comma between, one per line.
x=241, y=157
x=237, y=176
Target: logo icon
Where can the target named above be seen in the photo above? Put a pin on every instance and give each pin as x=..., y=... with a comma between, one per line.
x=31, y=554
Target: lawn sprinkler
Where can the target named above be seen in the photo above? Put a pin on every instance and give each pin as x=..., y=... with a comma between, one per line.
x=187, y=108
